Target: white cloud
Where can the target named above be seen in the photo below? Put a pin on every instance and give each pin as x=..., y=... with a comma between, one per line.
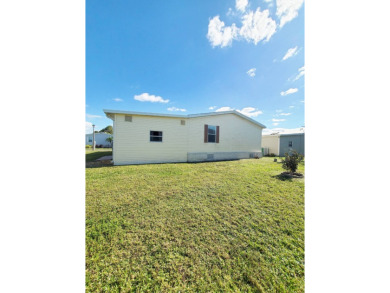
x=224, y=109
x=301, y=73
x=88, y=127
x=290, y=52
x=285, y=114
x=278, y=120
x=289, y=91
x=275, y=124
x=287, y=10
x=250, y=112
x=176, y=109
x=251, y=72
x=219, y=34
x=278, y=111
x=145, y=97
x=302, y=101
x=93, y=116
x=291, y=107
x=118, y=100
x=241, y=5
x=212, y=107
x=257, y=26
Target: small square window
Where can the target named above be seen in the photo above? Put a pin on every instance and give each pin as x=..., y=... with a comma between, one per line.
x=183, y=122
x=128, y=118
x=290, y=144
x=156, y=136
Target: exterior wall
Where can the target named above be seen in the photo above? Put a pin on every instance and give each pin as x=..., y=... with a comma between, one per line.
x=236, y=134
x=100, y=138
x=272, y=143
x=132, y=143
x=298, y=143
x=238, y=139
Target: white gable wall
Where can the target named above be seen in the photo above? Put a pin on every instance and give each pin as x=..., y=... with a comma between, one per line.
x=236, y=134
x=132, y=143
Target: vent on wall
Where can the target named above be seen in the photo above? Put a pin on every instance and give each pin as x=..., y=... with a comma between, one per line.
x=210, y=156
x=182, y=122
x=128, y=118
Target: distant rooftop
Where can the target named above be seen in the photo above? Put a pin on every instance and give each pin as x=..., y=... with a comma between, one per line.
x=284, y=131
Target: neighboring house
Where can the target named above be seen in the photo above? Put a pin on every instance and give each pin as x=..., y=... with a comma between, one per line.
x=279, y=144
x=141, y=138
x=100, y=139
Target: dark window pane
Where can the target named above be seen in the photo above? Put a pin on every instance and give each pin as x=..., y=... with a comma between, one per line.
x=156, y=133
x=156, y=138
x=211, y=138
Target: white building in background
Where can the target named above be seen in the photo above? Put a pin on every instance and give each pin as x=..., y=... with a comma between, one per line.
x=281, y=143
x=141, y=138
x=100, y=139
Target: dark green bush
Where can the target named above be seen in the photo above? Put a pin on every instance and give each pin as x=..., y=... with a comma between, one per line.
x=291, y=161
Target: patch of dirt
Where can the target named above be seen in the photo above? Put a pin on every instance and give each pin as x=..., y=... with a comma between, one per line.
x=95, y=164
x=291, y=175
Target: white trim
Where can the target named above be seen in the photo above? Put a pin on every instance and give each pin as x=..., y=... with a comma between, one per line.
x=108, y=112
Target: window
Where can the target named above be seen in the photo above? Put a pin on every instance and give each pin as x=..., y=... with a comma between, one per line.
x=90, y=139
x=183, y=122
x=290, y=143
x=128, y=118
x=156, y=136
x=211, y=133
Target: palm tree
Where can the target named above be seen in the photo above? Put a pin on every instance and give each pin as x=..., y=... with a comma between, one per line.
x=110, y=140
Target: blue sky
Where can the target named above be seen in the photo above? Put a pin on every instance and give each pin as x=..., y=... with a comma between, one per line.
x=186, y=57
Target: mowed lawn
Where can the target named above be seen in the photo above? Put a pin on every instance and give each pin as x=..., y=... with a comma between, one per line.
x=92, y=155
x=207, y=227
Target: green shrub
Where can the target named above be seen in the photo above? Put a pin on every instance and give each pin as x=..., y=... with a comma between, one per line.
x=291, y=161
x=88, y=146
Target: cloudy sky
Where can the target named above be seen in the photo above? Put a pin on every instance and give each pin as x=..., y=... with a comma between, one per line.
x=186, y=57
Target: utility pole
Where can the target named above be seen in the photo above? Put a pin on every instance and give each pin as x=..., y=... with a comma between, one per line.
x=93, y=133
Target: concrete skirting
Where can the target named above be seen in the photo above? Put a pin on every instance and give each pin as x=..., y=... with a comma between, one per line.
x=221, y=156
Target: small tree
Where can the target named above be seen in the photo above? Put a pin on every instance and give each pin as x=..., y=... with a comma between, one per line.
x=107, y=129
x=291, y=161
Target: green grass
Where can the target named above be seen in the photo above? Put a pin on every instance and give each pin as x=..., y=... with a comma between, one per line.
x=92, y=155
x=207, y=227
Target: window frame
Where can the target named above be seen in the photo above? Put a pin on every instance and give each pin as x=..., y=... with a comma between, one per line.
x=154, y=136
x=290, y=143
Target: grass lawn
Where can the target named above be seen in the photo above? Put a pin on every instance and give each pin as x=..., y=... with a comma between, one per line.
x=206, y=227
x=92, y=155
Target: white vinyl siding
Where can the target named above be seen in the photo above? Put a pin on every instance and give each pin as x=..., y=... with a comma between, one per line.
x=236, y=134
x=272, y=143
x=132, y=143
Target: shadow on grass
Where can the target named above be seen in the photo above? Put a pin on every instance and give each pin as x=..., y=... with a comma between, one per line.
x=282, y=177
x=96, y=155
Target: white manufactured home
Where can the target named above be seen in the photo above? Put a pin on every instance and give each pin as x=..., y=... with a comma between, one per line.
x=100, y=139
x=141, y=138
x=279, y=144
